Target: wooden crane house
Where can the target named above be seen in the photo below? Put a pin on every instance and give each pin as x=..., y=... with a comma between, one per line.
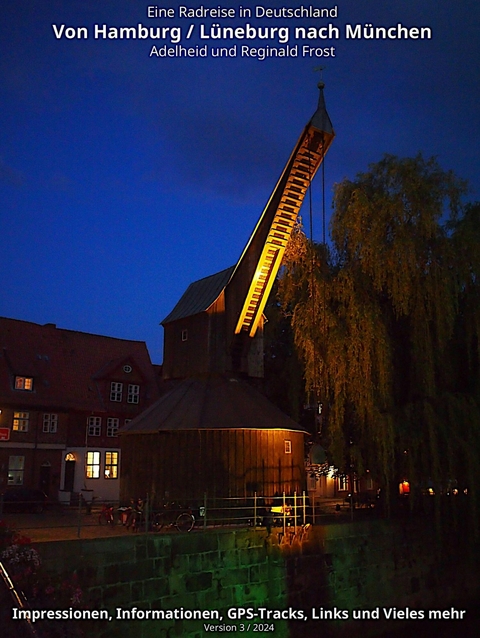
x=213, y=431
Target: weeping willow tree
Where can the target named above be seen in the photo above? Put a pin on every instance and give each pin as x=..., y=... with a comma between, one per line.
x=386, y=322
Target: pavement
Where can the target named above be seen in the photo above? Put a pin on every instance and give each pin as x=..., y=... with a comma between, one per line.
x=62, y=524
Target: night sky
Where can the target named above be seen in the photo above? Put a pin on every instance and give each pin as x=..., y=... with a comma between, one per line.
x=124, y=177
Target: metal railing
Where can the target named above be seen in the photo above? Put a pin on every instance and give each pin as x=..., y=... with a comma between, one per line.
x=97, y=518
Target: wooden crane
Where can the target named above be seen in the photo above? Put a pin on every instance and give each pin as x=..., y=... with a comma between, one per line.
x=212, y=431
x=234, y=300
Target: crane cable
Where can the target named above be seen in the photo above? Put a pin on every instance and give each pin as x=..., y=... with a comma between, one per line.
x=312, y=276
x=316, y=402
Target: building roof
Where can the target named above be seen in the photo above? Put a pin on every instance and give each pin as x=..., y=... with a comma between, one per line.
x=207, y=403
x=66, y=365
x=200, y=295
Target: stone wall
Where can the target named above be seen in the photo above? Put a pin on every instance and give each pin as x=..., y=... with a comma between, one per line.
x=344, y=567
x=373, y=566
x=211, y=570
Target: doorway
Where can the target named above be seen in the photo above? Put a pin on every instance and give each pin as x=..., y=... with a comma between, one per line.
x=69, y=476
x=45, y=471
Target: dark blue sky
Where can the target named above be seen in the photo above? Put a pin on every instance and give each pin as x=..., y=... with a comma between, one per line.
x=124, y=177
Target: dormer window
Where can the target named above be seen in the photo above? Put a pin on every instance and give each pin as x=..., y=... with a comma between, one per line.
x=24, y=383
x=133, y=393
x=116, y=390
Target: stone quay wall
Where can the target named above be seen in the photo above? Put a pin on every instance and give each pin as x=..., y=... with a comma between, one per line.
x=368, y=566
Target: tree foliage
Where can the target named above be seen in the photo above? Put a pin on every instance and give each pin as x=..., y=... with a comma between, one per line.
x=283, y=369
x=387, y=322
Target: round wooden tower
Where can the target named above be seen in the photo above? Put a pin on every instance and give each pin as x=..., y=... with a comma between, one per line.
x=214, y=435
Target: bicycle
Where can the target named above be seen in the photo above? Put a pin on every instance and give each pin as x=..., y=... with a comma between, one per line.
x=169, y=519
x=135, y=515
x=108, y=515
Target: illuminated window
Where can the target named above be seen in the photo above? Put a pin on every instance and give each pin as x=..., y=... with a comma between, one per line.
x=404, y=488
x=20, y=421
x=288, y=447
x=112, y=426
x=50, y=422
x=93, y=465
x=116, y=391
x=133, y=393
x=94, y=425
x=343, y=483
x=111, y=465
x=16, y=466
x=24, y=383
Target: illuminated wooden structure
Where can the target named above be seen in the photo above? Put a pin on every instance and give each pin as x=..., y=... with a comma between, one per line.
x=217, y=326
x=213, y=431
x=213, y=434
x=253, y=277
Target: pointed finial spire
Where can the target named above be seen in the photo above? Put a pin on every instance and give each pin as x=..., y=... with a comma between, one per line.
x=320, y=119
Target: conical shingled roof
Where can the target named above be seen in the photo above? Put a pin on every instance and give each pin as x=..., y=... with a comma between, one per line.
x=211, y=403
x=199, y=295
x=320, y=119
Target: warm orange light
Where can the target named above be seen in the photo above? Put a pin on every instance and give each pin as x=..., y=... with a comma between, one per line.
x=404, y=488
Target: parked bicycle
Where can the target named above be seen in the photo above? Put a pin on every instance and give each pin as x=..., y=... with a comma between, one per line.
x=130, y=516
x=174, y=516
x=108, y=515
x=135, y=516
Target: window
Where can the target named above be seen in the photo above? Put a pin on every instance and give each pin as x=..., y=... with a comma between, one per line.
x=288, y=447
x=94, y=425
x=24, y=383
x=133, y=393
x=116, y=390
x=93, y=465
x=50, y=422
x=343, y=483
x=20, y=421
x=112, y=426
x=127, y=421
x=16, y=466
x=184, y=335
x=111, y=465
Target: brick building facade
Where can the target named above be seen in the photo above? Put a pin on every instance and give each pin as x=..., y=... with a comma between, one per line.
x=63, y=397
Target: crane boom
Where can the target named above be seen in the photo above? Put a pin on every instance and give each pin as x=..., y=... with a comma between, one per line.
x=263, y=254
